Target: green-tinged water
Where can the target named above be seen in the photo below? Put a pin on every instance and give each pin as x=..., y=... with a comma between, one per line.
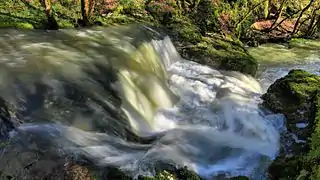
x=295, y=52
x=86, y=92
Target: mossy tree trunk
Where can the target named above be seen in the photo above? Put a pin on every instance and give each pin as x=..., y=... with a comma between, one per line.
x=87, y=8
x=279, y=14
x=313, y=25
x=85, y=11
x=266, y=9
x=314, y=20
x=51, y=21
x=237, y=28
x=295, y=28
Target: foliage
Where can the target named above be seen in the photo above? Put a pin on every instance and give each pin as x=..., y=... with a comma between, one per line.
x=228, y=17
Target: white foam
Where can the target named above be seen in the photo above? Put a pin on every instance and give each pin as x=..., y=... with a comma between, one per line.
x=216, y=126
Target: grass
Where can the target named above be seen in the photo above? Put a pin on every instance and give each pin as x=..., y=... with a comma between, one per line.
x=31, y=15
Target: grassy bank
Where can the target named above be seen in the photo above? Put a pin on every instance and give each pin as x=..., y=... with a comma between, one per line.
x=210, y=32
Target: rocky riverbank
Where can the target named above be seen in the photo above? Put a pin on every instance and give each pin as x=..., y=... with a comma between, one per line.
x=215, y=38
x=210, y=32
x=297, y=96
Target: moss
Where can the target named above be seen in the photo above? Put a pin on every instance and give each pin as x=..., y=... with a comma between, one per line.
x=65, y=24
x=314, y=153
x=304, y=43
x=176, y=174
x=114, y=173
x=291, y=95
x=224, y=54
x=183, y=30
x=297, y=92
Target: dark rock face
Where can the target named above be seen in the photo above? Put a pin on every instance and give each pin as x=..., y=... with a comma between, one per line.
x=6, y=124
x=42, y=93
x=297, y=96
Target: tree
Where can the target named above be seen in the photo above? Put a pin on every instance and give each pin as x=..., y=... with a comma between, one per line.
x=278, y=15
x=87, y=8
x=295, y=28
x=51, y=21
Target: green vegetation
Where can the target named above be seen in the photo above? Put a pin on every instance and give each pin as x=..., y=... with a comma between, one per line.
x=230, y=18
x=211, y=32
x=172, y=174
x=297, y=96
x=202, y=29
x=306, y=44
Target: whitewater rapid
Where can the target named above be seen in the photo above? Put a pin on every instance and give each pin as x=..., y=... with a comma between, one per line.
x=206, y=119
x=228, y=134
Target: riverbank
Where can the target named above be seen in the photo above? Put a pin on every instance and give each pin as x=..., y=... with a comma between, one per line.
x=203, y=37
x=209, y=32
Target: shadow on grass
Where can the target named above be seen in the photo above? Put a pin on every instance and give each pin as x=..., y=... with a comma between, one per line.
x=33, y=17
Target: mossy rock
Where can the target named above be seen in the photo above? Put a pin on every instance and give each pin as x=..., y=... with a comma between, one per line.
x=222, y=54
x=113, y=173
x=212, y=50
x=297, y=96
x=18, y=25
x=310, y=44
x=292, y=95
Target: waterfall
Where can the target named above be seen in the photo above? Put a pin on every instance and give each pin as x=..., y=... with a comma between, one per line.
x=94, y=93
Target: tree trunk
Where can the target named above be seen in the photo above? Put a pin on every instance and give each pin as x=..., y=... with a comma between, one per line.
x=313, y=28
x=279, y=14
x=295, y=28
x=85, y=12
x=91, y=7
x=266, y=9
x=51, y=21
x=313, y=21
x=47, y=4
x=87, y=9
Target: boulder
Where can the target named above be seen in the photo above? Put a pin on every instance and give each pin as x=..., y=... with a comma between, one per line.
x=6, y=125
x=297, y=96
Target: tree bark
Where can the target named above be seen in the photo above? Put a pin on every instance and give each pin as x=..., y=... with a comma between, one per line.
x=295, y=28
x=279, y=13
x=85, y=12
x=313, y=21
x=51, y=21
x=266, y=9
x=87, y=9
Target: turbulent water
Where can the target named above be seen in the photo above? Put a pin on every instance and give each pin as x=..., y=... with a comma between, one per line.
x=86, y=93
x=277, y=60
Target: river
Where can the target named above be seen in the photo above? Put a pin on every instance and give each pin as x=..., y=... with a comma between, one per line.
x=87, y=93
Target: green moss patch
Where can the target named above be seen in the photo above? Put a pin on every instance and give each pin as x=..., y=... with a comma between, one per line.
x=297, y=96
x=221, y=53
x=309, y=44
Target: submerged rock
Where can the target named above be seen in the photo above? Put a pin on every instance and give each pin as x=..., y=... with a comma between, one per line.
x=297, y=96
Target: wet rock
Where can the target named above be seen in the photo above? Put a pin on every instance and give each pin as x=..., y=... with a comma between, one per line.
x=6, y=125
x=69, y=171
x=33, y=164
x=297, y=96
x=212, y=50
x=294, y=95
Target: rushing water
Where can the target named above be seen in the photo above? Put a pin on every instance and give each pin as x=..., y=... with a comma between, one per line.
x=277, y=60
x=86, y=93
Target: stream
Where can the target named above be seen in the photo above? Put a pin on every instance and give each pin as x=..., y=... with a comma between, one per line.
x=91, y=93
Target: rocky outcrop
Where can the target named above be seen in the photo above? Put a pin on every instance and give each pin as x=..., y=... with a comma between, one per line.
x=6, y=125
x=213, y=50
x=297, y=96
